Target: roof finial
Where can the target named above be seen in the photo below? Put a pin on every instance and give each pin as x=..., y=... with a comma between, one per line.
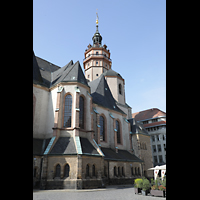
x=97, y=18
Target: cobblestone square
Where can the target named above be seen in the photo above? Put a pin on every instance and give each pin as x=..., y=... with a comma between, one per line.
x=109, y=193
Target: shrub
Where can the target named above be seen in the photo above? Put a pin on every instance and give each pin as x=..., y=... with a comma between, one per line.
x=138, y=183
x=145, y=184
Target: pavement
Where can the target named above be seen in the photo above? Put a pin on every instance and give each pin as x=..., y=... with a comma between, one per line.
x=118, y=192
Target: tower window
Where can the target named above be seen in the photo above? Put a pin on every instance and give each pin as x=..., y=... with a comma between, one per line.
x=97, y=74
x=97, y=52
x=96, y=62
x=120, y=88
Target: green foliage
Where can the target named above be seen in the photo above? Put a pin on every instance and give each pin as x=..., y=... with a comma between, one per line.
x=158, y=184
x=164, y=182
x=161, y=187
x=138, y=183
x=145, y=184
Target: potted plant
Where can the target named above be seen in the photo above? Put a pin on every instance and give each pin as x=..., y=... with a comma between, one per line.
x=138, y=185
x=159, y=188
x=145, y=186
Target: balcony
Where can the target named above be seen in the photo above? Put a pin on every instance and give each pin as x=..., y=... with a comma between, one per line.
x=97, y=55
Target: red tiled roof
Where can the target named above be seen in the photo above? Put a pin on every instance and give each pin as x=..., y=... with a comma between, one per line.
x=147, y=114
x=154, y=124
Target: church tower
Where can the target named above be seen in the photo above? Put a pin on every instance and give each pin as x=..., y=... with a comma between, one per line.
x=97, y=57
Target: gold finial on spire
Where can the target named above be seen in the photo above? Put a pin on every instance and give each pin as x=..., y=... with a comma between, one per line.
x=97, y=18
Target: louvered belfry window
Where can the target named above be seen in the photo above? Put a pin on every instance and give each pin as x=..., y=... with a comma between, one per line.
x=81, y=113
x=68, y=111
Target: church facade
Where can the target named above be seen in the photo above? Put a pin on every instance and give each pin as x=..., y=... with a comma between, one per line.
x=84, y=135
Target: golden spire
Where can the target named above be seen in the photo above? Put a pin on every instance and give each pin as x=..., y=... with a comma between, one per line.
x=97, y=18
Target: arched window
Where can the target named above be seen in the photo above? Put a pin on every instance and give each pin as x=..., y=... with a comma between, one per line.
x=57, y=174
x=93, y=170
x=81, y=113
x=118, y=132
x=115, y=171
x=120, y=88
x=68, y=111
x=123, y=174
x=102, y=128
x=132, y=172
x=136, y=171
x=66, y=170
x=139, y=171
x=105, y=173
x=87, y=170
x=119, y=174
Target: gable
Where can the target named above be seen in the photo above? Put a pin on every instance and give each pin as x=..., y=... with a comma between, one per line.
x=102, y=95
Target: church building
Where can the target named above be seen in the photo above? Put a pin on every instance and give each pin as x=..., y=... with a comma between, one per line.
x=84, y=135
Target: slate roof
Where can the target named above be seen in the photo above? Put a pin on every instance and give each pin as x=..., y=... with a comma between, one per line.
x=87, y=147
x=137, y=127
x=70, y=73
x=48, y=74
x=111, y=72
x=64, y=145
x=46, y=68
x=122, y=155
x=39, y=145
x=37, y=78
x=102, y=95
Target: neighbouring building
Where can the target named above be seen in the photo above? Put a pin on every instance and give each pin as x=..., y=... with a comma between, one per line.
x=154, y=121
x=83, y=132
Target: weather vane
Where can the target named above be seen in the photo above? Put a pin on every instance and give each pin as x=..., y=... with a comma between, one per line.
x=97, y=18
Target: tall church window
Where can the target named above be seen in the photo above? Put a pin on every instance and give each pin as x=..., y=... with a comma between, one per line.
x=68, y=111
x=81, y=113
x=120, y=88
x=118, y=132
x=66, y=170
x=102, y=128
x=57, y=174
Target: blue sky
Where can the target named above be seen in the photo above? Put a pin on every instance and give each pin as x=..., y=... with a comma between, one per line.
x=133, y=30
